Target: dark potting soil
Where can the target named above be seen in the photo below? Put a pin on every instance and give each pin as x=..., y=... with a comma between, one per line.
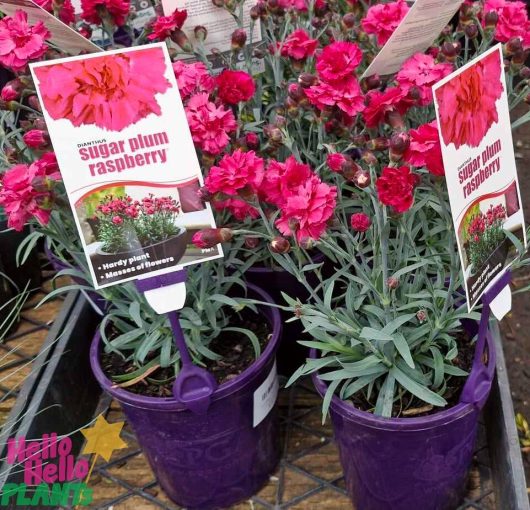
x=412, y=407
x=235, y=349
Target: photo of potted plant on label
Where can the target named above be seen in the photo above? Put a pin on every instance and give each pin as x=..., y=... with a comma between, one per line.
x=477, y=149
x=128, y=162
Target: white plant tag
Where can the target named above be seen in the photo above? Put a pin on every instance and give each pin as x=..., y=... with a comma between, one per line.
x=265, y=396
x=502, y=303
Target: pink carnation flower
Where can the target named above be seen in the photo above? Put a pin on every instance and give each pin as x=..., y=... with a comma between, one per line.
x=307, y=210
x=239, y=209
x=466, y=104
x=298, y=45
x=424, y=149
x=239, y=171
x=338, y=61
x=382, y=19
x=66, y=10
x=210, y=125
x=421, y=71
x=117, y=10
x=346, y=95
x=21, y=42
x=164, y=25
x=335, y=160
x=36, y=138
x=513, y=20
x=111, y=92
x=192, y=78
x=281, y=178
x=235, y=86
x=381, y=104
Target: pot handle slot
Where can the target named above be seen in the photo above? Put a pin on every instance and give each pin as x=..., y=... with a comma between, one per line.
x=478, y=384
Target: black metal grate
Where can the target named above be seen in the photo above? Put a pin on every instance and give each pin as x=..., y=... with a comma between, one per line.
x=309, y=476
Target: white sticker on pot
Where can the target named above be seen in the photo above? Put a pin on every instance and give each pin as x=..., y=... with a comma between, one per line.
x=265, y=396
x=127, y=159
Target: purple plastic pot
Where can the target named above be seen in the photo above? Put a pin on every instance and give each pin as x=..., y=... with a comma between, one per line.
x=412, y=463
x=275, y=281
x=219, y=458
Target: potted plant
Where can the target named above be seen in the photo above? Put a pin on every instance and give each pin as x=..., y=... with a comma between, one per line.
x=207, y=460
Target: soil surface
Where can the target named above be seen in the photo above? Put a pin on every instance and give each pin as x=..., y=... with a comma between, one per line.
x=516, y=326
x=236, y=351
x=414, y=408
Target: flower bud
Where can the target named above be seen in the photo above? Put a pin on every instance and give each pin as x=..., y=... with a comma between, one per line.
x=203, y=194
x=200, y=33
x=40, y=124
x=12, y=90
x=392, y=283
x=527, y=99
x=181, y=39
x=239, y=38
x=218, y=3
x=273, y=133
x=307, y=243
x=451, y=50
x=362, y=179
x=524, y=73
x=258, y=53
x=255, y=12
x=372, y=82
x=33, y=102
x=252, y=242
x=307, y=80
x=369, y=158
x=378, y=144
x=513, y=46
x=399, y=143
x=36, y=139
x=490, y=19
x=252, y=141
x=209, y=237
x=421, y=315
x=395, y=120
x=360, y=222
x=85, y=30
x=280, y=245
x=471, y=31
x=292, y=108
x=348, y=20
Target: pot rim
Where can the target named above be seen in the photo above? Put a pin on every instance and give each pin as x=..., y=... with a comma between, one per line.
x=182, y=231
x=367, y=419
x=223, y=391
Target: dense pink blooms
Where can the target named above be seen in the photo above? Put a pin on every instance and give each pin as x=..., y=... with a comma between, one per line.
x=513, y=19
x=421, y=71
x=36, y=138
x=338, y=61
x=21, y=42
x=192, y=78
x=66, y=10
x=346, y=95
x=395, y=188
x=282, y=178
x=424, y=149
x=381, y=104
x=307, y=210
x=360, y=222
x=235, y=86
x=382, y=19
x=298, y=45
x=210, y=125
x=239, y=209
x=236, y=172
x=26, y=192
x=111, y=92
x=116, y=10
x=164, y=25
x=466, y=104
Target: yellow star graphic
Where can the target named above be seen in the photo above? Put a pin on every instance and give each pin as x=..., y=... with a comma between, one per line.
x=103, y=438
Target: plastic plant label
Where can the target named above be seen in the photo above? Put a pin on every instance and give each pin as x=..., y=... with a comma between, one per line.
x=416, y=32
x=127, y=159
x=477, y=149
x=265, y=396
x=62, y=36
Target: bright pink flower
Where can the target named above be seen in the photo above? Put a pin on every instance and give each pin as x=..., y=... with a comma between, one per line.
x=382, y=19
x=299, y=46
x=513, y=19
x=338, y=61
x=466, y=104
x=239, y=209
x=116, y=10
x=346, y=95
x=20, y=42
x=210, y=125
x=235, y=86
x=111, y=92
x=36, y=138
x=424, y=149
x=360, y=222
x=164, y=25
x=395, y=188
x=381, y=104
x=12, y=90
x=192, y=78
x=117, y=220
x=282, y=178
x=236, y=172
x=307, y=210
x=26, y=192
x=48, y=167
x=297, y=5
x=335, y=160
x=422, y=71
x=66, y=10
